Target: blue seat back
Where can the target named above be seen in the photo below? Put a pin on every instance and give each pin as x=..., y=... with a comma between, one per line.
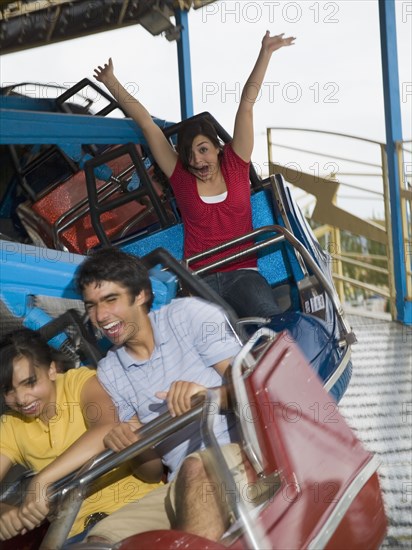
x=164, y=284
x=170, y=238
x=277, y=263
x=164, y=287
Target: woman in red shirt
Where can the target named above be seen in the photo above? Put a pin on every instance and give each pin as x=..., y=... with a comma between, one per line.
x=211, y=184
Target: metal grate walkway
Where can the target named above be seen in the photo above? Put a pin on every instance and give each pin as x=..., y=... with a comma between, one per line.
x=378, y=406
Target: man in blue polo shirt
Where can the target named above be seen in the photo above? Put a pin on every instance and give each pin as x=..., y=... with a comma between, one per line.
x=160, y=360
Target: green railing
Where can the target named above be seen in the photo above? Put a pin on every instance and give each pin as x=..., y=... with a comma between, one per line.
x=349, y=210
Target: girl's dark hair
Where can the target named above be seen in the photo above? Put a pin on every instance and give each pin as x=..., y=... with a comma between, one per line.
x=22, y=343
x=114, y=265
x=187, y=133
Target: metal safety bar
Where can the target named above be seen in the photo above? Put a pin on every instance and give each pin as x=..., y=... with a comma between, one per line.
x=348, y=337
x=71, y=495
x=236, y=505
x=195, y=285
x=64, y=97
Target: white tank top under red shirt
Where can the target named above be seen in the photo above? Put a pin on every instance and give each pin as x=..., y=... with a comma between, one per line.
x=207, y=225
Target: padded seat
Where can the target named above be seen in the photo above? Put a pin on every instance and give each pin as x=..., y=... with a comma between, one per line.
x=41, y=219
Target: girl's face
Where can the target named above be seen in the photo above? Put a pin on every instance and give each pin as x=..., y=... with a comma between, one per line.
x=204, y=160
x=33, y=393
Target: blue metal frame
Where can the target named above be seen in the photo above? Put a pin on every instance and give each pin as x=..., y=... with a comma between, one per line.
x=393, y=122
x=185, y=72
x=26, y=103
x=30, y=127
x=19, y=126
x=28, y=270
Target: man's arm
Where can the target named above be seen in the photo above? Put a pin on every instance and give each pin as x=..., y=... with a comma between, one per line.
x=181, y=394
x=162, y=151
x=216, y=345
x=243, y=133
x=221, y=368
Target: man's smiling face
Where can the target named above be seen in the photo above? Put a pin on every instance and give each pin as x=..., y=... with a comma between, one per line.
x=113, y=310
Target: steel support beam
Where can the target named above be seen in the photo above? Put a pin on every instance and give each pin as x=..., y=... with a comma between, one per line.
x=393, y=124
x=185, y=71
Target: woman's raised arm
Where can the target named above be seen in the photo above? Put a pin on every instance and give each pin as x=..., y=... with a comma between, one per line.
x=243, y=133
x=163, y=152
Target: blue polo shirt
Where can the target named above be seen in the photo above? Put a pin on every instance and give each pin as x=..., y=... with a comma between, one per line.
x=191, y=336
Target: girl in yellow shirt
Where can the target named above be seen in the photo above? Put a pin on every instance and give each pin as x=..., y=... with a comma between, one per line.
x=55, y=422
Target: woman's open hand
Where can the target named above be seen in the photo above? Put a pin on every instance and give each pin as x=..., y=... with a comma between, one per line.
x=104, y=74
x=273, y=43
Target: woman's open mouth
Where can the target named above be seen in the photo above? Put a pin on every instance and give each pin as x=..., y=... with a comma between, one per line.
x=204, y=172
x=31, y=409
x=201, y=172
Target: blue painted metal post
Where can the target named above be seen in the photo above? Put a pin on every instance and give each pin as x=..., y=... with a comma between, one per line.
x=185, y=71
x=394, y=134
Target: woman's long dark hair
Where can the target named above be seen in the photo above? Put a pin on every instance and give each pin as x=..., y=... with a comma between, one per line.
x=187, y=133
x=27, y=343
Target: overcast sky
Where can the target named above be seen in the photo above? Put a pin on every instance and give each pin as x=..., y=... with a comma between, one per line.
x=330, y=80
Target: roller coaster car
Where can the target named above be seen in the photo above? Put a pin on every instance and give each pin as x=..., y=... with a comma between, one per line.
x=318, y=487
x=329, y=495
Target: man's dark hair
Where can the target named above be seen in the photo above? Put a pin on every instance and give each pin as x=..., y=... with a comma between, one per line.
x=187, y=133
x=114, y=265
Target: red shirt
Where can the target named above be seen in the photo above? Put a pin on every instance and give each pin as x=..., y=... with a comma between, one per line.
x=207, y=225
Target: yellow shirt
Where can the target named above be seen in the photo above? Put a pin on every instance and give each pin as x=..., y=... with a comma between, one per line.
x=33, y=444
